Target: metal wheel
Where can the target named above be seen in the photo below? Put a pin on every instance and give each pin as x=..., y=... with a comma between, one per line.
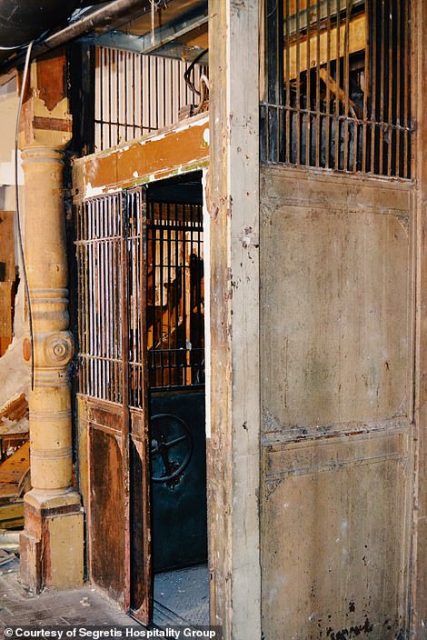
x=171, y=447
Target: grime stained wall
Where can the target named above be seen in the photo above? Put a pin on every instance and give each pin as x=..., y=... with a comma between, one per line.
x=337, y=317
x=14, y=373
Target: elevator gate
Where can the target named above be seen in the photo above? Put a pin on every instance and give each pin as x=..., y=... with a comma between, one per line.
x=141, y=327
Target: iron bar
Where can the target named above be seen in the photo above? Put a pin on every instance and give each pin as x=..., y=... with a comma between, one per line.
x=345, y=96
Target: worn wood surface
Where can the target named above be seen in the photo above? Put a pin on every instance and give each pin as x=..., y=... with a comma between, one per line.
x=233, y=205
x=14, y=473
x=337, y=358
x=419, y=557
x=181, y=148
x=109, y=502
x=7, y=278
x=7, y=247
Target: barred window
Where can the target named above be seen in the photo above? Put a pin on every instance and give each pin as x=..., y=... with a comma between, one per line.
x=136, y=94
x=337, y=85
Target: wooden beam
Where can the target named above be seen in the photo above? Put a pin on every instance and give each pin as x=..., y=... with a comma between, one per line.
x=233, y=205
x=357, y=42
x=177, y=149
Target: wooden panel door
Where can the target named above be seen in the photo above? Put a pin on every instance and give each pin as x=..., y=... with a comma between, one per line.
x=337, y=345
x=112, y=378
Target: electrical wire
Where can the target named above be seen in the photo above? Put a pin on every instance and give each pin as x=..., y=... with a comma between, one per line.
x=17, y=47
x=187, y=73
x=18, y=212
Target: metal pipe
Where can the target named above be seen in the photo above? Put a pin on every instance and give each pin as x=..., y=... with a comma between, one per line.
x=99, y=18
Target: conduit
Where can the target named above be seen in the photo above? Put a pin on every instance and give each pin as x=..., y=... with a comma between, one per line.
x=100, y=18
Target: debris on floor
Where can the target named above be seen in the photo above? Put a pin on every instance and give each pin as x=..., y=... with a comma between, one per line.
x=14, y=483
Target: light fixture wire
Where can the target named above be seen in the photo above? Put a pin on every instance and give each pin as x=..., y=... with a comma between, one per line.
x=18, y=211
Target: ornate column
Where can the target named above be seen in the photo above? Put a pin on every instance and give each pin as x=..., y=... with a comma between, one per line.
x=52, y=542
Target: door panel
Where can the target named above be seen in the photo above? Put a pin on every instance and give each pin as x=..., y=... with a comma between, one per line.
x=108, y=504
x=179, y=508
x=337, y=326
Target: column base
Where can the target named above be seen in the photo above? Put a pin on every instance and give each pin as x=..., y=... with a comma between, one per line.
x=51, y=544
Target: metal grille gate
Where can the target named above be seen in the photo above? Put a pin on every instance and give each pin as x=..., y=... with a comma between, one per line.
x=112, y=346
x=175, y=295
x=141, y=324
x=111, y=283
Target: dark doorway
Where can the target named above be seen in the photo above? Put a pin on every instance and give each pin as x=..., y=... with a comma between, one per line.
x=176, y=366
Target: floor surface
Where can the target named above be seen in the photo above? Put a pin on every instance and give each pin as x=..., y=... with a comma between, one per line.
x=182, y=597
x=84, y=606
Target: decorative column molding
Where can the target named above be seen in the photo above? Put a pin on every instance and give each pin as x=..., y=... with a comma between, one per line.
x=52, y=542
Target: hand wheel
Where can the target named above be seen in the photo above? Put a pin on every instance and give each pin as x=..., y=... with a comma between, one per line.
x=171, y=446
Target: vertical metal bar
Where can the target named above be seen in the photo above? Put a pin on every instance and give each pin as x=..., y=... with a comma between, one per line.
x=288, y=87
x=398, y=119
x=110, y=97
x=274, y=75
x=86, y=294
x=98, y=307
x=162, y=291
x=366, y=87
x=328, y=91
x=119, y=100
x=101, y=92
x=382, y=88
x=391, y=78
x=124, y=270
x=308, y=92
x=406, y=92
x=373, y=85
x=338, y=82
x=318, y=111
x=125, y=73
x=298, y=85
x=346, y=81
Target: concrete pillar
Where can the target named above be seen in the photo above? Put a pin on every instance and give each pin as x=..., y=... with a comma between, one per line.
x=52, y=542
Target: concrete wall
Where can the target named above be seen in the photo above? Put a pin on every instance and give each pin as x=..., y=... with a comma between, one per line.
x=337, y=324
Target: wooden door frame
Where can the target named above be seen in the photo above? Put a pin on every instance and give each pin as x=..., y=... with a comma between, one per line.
x=234, y=208
x=418, y=595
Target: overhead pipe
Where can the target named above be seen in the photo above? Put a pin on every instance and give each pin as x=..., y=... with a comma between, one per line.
x=100, y=18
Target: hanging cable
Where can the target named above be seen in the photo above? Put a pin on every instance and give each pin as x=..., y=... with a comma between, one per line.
x=187, y=74
x=18, y=212
x=17, y=47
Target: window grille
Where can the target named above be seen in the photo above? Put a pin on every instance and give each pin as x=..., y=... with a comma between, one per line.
x=337, y=85
x=137, y=94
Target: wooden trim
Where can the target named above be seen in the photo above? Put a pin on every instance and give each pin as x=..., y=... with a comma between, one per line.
x=418, y=595
x=184, y=147
x=233, y=204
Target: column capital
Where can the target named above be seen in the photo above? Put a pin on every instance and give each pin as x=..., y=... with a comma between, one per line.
x=46, y=120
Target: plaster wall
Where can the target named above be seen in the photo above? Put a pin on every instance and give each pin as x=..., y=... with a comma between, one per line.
x=14, y=373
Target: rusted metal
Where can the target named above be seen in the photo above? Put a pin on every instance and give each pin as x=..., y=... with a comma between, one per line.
x=140, y=276
x=112, y=376
x=100, y=306
x=175, y=295
x=344, y=96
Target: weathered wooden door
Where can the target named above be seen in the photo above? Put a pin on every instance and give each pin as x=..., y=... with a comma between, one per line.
x=113, y=382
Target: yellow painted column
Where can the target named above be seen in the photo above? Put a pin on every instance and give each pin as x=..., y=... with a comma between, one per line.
x=52, y=542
